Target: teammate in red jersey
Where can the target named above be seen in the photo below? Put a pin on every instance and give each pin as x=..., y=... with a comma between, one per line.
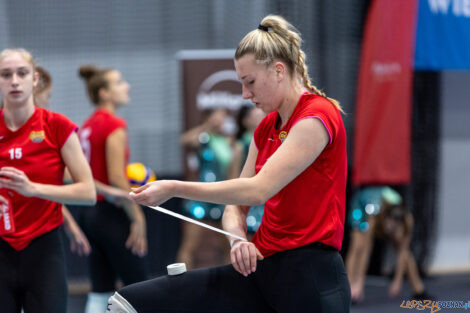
x=35, y=147
x=297, y=166
x=117, y=234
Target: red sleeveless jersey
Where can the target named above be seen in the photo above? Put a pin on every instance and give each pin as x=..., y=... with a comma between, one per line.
x=93, y=136
x=34, y=149
x=311, y=208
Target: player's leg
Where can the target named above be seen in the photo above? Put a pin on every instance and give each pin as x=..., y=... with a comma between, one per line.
x=44, y=275
x=102, y=274
x=220, y=289
x=413, y=275
x=307, y=279
x=10, y=296
x=130, y=267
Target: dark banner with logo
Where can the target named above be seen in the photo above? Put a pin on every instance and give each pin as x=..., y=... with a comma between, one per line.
x=209, y=81
x=382, y=131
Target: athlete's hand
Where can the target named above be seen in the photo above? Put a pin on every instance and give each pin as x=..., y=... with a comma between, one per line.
x=153, y=194
x=137, y=240
x=244, y=256
x=117, y=196
x=15, y=179
x=78, y=241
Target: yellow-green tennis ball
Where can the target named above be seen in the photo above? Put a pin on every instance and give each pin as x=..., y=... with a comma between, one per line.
x=138, y=174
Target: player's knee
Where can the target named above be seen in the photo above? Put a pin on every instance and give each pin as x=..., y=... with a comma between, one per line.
x=117, y=304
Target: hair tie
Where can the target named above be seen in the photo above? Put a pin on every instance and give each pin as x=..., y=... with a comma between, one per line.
x=263, y=28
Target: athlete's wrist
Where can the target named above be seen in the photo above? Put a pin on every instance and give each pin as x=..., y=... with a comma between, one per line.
x=34, y=190
x=234, y=241
x=173, y=188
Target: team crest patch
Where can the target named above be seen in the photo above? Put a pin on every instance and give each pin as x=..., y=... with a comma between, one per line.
x=37, y=136
x=282, y=136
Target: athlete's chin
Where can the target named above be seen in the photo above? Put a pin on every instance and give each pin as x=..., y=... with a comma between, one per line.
x=17, y=100
x=266, y=110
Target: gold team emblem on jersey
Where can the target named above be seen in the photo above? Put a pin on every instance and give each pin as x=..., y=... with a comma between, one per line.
x=282, y=136
x=37, y=136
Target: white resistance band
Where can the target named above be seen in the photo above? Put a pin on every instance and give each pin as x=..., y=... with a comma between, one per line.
x=182, y=217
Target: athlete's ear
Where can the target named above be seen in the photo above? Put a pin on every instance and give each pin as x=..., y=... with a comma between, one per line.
x=103, y=94
x=280, y=70
x=35, y=79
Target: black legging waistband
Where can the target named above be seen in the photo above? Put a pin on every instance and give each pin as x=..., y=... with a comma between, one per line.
x=322, y=246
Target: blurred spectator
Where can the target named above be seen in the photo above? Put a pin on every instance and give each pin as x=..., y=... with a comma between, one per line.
x=214, y=156
x=248, y=118
x=377, y=212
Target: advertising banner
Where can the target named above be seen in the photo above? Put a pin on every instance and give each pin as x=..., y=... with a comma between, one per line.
x=443, y=35
x=382, y=133
x=209, y=81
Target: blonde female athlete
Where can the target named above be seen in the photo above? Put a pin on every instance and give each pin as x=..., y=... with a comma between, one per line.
x=297, y=167
x=35, y=147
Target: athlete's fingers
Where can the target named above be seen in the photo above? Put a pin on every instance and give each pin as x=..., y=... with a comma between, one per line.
x=13, y=179
x=233, y=259
x=143, y=247
x=85, y=246
x=143, y=199
x=240, y=262
x=9, y=169
x=253, y=257
x=140, y=189
x=9, y=183
x=130, y=240
x=78, y=248
x=136, y=246
x=73, y=246
x=13, y=174
x=246, y=258
x=6, y=180
x=258, y=254
x=10, y=175
x=137, y=242
x=140, y=247
x=140, y=197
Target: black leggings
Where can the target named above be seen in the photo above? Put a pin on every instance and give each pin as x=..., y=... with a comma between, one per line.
x=107, y=228
x=307, y=279
x=34, y=278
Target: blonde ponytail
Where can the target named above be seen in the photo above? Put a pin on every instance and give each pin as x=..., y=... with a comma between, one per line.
x=277, y=39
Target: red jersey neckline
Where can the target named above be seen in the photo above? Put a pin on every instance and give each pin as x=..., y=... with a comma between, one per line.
x=278, y=118
x=104, y=111
x=24, y=126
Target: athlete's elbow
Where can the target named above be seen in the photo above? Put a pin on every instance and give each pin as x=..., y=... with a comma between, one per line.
x=257, y=193
x=258, y=201
x=89, y=202
x=258, y=197
x=89, y=195
x=92, y=200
